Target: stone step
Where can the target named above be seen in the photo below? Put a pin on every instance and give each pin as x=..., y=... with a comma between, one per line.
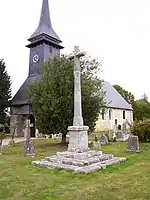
x=80, y=156
x=78, y=162
x=46, y=164
x=113, y=161
x=83, y=169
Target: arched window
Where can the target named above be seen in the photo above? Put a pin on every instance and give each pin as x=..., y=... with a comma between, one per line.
x=110, y=114
x=124, y=114
x=103, y=114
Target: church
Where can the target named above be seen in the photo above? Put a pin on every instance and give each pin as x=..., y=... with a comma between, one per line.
x=44, y=43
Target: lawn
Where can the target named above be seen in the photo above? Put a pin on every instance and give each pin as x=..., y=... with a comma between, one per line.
x=20, y=180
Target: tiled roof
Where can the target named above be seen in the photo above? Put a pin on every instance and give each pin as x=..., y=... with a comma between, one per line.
x=114, y=99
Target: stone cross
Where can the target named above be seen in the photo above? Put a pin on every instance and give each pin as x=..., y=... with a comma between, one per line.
x=78, y=133
x=78, y=119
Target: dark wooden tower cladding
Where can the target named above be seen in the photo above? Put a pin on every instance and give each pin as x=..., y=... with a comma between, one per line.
x=44, y=44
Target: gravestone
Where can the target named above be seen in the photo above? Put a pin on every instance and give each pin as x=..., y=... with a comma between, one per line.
x=28, y=145
x=1, y=147
x=124, y=129
x=79, y=158
x=115, y=131
x=133, y=144
x=103, y=140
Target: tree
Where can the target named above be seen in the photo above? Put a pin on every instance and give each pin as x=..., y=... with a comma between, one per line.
x=128, y=96
x=52, y=96
x=5, y=91
x=142, y=108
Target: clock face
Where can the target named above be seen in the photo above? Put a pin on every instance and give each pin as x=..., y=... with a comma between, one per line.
x=35, y=58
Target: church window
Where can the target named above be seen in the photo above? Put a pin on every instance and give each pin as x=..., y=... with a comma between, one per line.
x=110, y=114
x=124, y=114
x=103, y=114
x=50, y=49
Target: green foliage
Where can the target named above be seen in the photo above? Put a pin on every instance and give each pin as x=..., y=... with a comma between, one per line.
x=142, y=130
x=52, y=96
x=142, y=109
x=2, y=132
x=5, y=91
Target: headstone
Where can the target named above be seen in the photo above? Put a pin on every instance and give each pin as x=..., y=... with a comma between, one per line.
x=29, y=148
x=28, y=145
x=103, y=140
x=133, y=144
x=1, y=147
x=115, y=131
x=124, y=129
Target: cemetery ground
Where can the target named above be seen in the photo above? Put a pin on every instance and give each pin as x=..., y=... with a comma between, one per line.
x=21, y=180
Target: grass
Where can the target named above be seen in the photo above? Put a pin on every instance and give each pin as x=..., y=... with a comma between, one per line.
x=20, y=180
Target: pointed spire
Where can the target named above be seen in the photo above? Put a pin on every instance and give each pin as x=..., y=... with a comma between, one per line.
x=45, y=25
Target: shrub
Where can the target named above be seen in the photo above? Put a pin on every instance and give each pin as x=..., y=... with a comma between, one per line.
x=142, y=130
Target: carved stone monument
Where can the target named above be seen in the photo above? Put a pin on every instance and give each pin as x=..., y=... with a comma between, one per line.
x=28, y=145
x=133, y=144
x=78, y=140
x=78, y=158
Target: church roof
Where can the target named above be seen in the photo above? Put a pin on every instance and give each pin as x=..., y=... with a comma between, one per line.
x=45, y=24
x=21, y=97
x=114, y=99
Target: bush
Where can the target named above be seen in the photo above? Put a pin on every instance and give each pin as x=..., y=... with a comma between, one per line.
x=142, y=130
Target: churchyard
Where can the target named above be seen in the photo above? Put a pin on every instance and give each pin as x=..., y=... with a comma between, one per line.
x=19, y=179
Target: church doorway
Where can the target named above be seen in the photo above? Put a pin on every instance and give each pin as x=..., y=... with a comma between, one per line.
x=32, y=126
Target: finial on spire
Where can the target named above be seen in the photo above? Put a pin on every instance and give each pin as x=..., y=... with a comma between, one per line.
x=45, y=25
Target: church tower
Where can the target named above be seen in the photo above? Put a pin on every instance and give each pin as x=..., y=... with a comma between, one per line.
x=44, y=44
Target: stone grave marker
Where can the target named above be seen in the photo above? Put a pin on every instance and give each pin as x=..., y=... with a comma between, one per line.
x=28, y=145
x=103, y=139
x=115, y=131
x=133, y=144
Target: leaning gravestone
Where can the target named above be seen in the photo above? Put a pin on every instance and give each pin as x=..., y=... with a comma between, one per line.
x=28, y=145
x=133, y=144
x=79, y=158
x=103, y=140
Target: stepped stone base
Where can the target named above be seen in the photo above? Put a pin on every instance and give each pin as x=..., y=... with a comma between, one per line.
x=85, y=162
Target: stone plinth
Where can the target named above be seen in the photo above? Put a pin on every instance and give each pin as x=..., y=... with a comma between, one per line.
x=85, y=162
x=78, y=138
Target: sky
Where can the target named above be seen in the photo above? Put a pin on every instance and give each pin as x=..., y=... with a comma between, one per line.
x=115, y=31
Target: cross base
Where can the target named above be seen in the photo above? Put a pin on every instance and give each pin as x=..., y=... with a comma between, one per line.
x=78, y=139
x=85, y=162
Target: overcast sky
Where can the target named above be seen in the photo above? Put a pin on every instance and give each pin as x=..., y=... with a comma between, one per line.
x=116, y=31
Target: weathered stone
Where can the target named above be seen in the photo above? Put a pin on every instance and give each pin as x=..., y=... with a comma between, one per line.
x=83, y=166
x=29, y=148
x=133, y=144
x=78, y=140
x=103, y=140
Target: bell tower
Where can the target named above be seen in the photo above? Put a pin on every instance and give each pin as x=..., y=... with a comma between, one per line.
x=44, y=44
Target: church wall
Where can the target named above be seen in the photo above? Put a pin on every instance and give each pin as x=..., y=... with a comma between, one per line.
x=108, y=124
x=50, y=51
x=17, y=121
x=35, y=68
